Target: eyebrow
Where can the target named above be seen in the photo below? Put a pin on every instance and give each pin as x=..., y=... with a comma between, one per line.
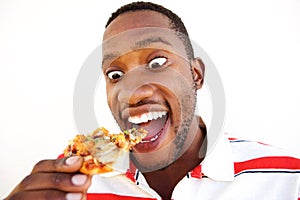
x=109, y=56
x=138, y=44
x=149, y=41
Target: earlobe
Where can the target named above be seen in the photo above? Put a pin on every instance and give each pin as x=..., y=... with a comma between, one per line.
x=198, y=69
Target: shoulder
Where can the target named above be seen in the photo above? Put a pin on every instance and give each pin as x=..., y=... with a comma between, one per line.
x=256, y=156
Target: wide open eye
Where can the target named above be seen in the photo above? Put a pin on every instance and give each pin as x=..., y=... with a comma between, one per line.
x=157, y=62
x=114, y=75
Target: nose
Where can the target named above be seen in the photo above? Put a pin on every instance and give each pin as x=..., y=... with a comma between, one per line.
x=134, y=95
x=135, y=86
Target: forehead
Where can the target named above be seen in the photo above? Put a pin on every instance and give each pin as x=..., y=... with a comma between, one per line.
x=137, y=30
x=136, y=19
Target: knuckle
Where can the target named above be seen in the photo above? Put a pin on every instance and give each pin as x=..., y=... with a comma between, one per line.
x=58, y=178
x=58, y=164
x=38, y=165
x=47, y=165
x=24, y=184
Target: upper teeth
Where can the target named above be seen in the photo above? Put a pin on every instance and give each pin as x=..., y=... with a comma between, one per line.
x=146, y=117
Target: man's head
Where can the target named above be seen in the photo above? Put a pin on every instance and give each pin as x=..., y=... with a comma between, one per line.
x=151, y=81
x=174, y=21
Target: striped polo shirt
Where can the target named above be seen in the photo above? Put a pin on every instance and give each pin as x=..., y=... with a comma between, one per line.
x=234, y=169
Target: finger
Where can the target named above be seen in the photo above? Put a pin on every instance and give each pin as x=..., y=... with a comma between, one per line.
x=59, y=181
x=46, y=195
x=70, y=164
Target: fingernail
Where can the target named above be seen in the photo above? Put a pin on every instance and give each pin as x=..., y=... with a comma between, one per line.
x=72, y=160
x=73, y=196
x=79, y=179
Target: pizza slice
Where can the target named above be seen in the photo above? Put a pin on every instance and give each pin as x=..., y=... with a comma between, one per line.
x=100, y=149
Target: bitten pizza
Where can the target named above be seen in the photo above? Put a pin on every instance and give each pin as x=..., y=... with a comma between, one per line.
x=100, y=149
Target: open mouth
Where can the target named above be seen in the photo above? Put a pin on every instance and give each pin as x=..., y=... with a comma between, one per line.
x=154, y=123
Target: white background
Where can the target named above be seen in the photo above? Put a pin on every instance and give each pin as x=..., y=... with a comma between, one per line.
x=255, y=46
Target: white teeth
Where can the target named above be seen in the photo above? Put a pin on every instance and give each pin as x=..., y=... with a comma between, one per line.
x=151, y=140
x=146, y=117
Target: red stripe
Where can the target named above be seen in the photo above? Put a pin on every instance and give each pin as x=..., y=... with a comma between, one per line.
x=230, y=138
x=107, y=196
x=196, y=173
x=271, y=162
x=131, y=172
x=61, y=156
x=263, y=143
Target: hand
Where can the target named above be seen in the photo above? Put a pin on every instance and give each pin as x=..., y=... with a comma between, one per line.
x=53, y=179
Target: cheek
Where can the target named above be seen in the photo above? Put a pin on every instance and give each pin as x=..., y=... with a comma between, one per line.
x=180, y=85
x=109, y=96
x=172, y=79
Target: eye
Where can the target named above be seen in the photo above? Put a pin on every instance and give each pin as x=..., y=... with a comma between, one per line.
x=157, y=62
x=114, y=75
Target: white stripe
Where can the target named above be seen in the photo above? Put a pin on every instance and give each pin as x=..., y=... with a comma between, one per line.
x=243, y=151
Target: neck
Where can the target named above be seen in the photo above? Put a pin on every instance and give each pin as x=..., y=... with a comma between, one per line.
x=163, y=181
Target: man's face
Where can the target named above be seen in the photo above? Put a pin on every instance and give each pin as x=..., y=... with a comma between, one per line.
x=149, y=84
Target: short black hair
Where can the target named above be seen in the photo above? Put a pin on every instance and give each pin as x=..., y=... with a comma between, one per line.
x=175, y=21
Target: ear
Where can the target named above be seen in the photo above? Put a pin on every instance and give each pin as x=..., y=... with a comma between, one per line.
x=198, y=70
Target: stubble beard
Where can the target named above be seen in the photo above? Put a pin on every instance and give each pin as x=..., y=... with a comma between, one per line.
x=179, y=144
x=188, y=110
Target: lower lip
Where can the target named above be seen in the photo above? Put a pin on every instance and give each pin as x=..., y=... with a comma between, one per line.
x=149, y=145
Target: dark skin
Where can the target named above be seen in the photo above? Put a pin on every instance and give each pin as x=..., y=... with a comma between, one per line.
x=59, y=178
x=53, y=179
x=159, y=89
x=163, y=181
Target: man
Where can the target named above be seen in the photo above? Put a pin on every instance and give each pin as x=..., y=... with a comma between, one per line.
x=151, y=79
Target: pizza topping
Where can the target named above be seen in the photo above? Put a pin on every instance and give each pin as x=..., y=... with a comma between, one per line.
x=152, y=122
x=101, y=149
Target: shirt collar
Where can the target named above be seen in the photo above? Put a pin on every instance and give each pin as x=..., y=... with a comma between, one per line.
x=218, y=162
